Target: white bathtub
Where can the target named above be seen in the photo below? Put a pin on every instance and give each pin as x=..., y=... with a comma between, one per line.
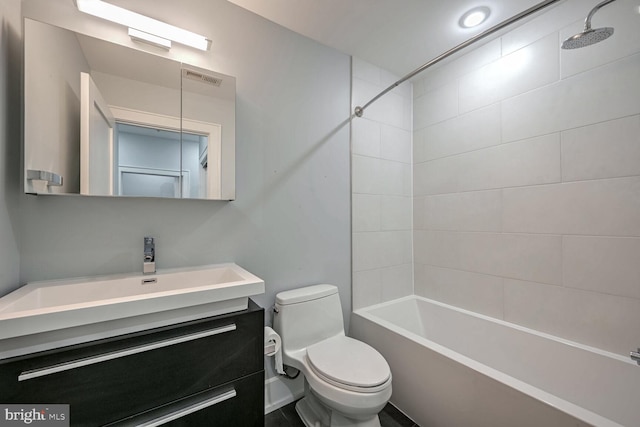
x=452, y=367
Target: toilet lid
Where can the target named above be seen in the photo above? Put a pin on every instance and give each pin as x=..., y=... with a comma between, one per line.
x=349, y=362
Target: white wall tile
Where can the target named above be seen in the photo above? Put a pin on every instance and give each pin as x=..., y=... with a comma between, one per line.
x=443, y=73
x=419, y=212
x=435, y=106
x=602, y=321
x=608, y=207
x=365, y=212
x=519, y=256
x=366, y=248
x=397, y=281
x=382, y=284
x=366, y=288
x=382, y=250
x=531, y=257
x=529, y=162
x=407, y=116
x=396, y=248
x=472, y=291
x=419, y=277
x=362, y=91
x=437, y=248
x=436, y=177
x=605, y=93
x=395, y=212
x=531, y=67
x=470, y=211
x=376, y=176
x=419, y=145
x=467, y=132
x=365, y=175
x=365, y=137
x=391, y=109
x=607, y=265
x=404, y=90
x=395, y=178
x=419, y=88
x=604, y=150
x=395, y=144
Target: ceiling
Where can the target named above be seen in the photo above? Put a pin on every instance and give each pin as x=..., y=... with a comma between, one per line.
x=397, y=35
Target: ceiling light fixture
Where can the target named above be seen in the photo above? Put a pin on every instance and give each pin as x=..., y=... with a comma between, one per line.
x=163, y=32
x=149, y=38
x=474, y=17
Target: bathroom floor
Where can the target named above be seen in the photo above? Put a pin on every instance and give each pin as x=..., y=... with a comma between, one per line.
x=287, y=417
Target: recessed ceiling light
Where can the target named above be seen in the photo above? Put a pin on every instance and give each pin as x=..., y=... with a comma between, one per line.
x=474, y=17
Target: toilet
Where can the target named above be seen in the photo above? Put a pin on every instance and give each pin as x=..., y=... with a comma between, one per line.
x=347, y=382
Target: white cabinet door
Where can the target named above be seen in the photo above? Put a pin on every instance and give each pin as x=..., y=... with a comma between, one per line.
x=96, y=141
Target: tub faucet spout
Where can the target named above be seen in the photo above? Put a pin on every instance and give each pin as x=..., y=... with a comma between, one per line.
x=635, y=355
x=149, y=263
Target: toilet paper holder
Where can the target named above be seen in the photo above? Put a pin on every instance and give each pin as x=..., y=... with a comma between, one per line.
x=270, y=349
x=273, y=347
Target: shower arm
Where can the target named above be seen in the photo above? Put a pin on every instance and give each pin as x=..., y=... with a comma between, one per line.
x=358, y=111
x=587, y=22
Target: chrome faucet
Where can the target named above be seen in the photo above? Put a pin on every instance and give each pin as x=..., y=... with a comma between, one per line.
x=635, y=356
x=149, y=264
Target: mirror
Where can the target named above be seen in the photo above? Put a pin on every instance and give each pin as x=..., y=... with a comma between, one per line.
x=104, y=119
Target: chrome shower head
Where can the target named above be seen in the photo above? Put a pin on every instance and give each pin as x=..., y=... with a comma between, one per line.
x=589, y=36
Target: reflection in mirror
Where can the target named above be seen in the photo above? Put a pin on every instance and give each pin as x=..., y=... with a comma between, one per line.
x=147, y=165
x=114, y=121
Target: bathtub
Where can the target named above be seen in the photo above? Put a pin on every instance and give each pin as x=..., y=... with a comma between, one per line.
x=452, y=367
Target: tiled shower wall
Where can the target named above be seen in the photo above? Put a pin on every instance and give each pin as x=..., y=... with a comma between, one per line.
x=527, y=179
x=381, y=188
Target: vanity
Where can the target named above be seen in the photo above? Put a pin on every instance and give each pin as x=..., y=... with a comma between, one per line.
x=180, y=366
x=203, y=372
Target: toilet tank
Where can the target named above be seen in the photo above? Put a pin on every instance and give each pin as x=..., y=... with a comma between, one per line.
x=307, y=315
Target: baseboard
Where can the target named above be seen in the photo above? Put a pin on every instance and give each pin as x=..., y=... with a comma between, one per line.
x=279, y=392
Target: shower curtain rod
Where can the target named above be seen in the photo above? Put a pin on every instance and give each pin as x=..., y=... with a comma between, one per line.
x=360, y=110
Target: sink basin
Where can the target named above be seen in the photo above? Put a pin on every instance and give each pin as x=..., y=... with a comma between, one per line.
x=51, y=305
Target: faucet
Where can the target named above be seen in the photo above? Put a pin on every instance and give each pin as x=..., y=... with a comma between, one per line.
x=149, y=264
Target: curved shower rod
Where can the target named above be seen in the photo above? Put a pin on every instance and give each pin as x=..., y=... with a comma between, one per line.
x=360, y=110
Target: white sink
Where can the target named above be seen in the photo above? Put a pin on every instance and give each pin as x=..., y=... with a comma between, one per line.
x=51, y=305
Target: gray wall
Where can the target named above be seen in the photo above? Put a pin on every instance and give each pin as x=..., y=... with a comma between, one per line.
x=10, y=107
x=290, y=224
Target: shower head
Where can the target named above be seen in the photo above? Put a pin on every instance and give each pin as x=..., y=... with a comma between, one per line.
x=589, y=36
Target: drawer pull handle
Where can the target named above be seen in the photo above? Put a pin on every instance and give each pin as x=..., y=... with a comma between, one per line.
x=190, y=409
x=66, y=366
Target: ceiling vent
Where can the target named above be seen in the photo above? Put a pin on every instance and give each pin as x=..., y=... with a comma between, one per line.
x=200, y=77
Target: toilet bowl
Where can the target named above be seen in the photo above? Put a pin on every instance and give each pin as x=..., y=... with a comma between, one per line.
x=347, y=382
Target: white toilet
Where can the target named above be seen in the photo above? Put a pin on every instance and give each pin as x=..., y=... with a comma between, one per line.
x=347, y=382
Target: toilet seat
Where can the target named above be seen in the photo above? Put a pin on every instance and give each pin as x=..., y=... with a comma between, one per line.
x=349, y=364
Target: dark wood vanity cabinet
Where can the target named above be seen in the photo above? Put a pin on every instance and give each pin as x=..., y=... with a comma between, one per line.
x=207, y=372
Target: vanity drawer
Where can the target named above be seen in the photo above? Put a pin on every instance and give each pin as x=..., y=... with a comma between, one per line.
x=111, y=379
x=238, y=403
